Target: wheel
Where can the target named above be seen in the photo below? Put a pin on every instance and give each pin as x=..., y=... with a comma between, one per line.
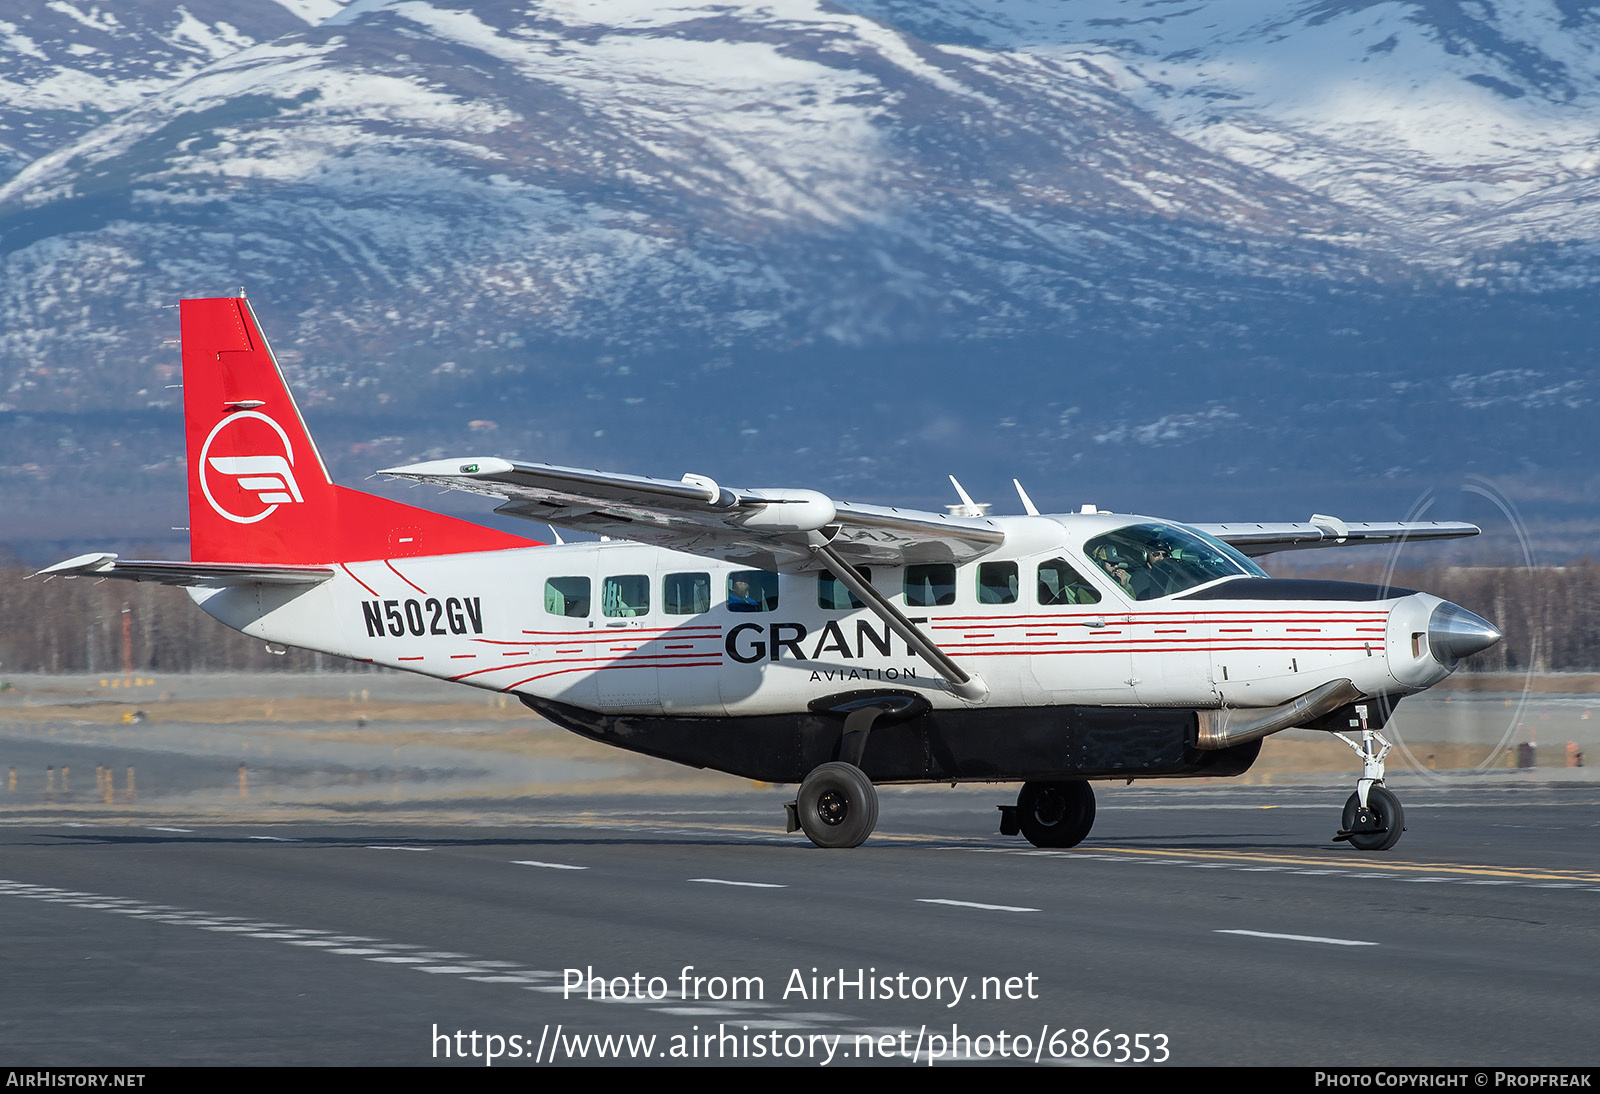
x=1055, y=814
x=1384, y=813
x=837, y=805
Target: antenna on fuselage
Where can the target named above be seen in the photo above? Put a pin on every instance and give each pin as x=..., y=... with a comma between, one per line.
x=1027, y=503
x=968, y=507
x=557, y=534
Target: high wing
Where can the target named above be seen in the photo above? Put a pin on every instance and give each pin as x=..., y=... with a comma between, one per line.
x=773, y=529
x=1322, y=531
x=215, y=575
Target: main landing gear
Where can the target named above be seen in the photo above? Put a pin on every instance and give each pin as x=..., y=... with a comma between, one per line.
x=837, y=806
x=1373, y=819
x=1050, y=814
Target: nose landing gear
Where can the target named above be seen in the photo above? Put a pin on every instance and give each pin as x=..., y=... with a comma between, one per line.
x=1373, y=819
x=1375, y=825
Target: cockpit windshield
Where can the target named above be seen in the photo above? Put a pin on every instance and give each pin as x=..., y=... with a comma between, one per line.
x=1154, y=560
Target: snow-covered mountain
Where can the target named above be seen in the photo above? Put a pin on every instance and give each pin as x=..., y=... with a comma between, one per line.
x=1456, y=125
x=786, y=170
x=67, y=67
x=1026, y=234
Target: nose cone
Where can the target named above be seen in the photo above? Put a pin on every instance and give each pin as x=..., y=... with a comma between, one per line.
x=1454, y=633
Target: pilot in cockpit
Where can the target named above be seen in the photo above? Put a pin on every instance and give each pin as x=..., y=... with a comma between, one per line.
x=1111, y=562
x=1156, y=577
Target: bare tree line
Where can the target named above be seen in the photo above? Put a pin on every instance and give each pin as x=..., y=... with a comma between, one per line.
x=66, y=626
x=1550, y=617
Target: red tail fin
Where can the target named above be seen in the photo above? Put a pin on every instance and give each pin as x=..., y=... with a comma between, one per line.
x=258, y=489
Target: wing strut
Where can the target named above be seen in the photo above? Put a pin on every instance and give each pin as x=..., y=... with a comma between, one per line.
x=962, y=683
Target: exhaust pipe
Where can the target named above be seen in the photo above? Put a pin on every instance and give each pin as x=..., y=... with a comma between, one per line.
x=1232, y=726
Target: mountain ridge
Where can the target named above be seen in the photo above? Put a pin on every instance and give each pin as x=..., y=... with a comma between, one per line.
x=868, y=236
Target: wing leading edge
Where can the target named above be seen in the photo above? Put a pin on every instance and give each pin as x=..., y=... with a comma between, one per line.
x=774, y=529
x=1255, y=539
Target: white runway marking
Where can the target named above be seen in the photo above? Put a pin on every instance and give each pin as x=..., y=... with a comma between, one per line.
x=394, y=847
x=741, y=884
x=446, y=962
x=507, y=979
x=161, y=828
x=547, y=865
x=970, y=904
x=1303, y=938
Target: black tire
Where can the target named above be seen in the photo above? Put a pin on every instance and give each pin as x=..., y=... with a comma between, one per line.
x=1386, y=810
x=1055, y=814
x=837, y=805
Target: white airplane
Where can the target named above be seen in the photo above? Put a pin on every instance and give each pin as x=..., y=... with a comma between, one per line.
x=783, y=636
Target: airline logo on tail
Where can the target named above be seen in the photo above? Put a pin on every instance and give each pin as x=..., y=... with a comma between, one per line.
x=268, y=476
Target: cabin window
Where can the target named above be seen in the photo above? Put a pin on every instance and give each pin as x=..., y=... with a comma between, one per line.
x=752, y=591
x=567, y=596
x=686, y=594
x=833, y=596
x=997, y=583
x=1061, y=584
x=625, y=596
x=930, y=586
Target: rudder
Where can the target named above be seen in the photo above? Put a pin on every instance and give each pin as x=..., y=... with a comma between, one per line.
x=258, y=488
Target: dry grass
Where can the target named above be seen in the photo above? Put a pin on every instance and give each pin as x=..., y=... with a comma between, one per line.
x=290, y=709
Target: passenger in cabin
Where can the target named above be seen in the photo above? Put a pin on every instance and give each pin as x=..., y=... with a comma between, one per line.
x=741, y=598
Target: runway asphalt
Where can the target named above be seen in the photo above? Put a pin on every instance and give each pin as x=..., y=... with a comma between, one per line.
x=630, y=919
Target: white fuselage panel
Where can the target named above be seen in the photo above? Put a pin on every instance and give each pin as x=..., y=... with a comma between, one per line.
x=622, y=627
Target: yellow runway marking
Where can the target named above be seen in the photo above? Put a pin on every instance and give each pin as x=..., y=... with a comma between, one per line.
x=1337, y=859
x=775, y=831
x=1362, y=865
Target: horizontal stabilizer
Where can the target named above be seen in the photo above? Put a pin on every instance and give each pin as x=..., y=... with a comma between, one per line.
x=214, y=575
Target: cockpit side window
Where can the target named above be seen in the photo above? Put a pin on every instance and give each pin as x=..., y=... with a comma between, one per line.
x=1059, y=583
x=1150, y=561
